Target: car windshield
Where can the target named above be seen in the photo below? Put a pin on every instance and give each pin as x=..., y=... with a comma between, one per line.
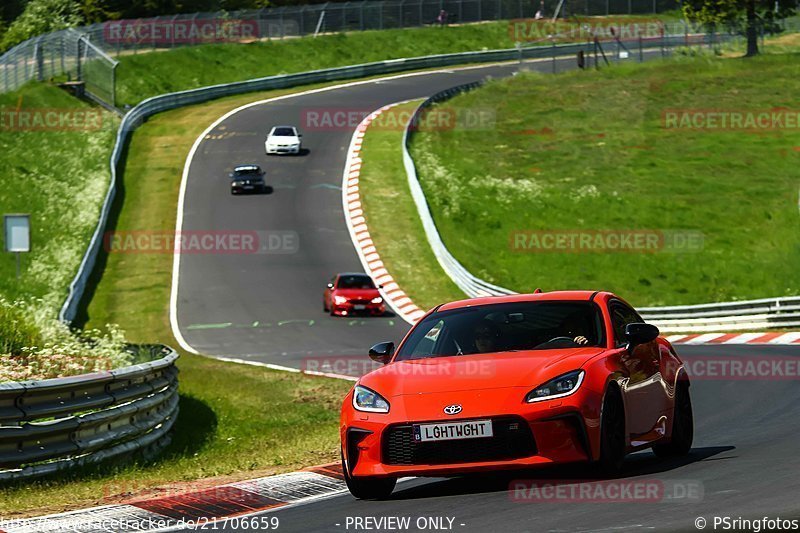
x=283, y=132
x=355, y=282
x=505, y=327
x=247, y=171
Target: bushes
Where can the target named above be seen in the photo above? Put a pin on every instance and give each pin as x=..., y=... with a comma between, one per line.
x=42, y=16
x=34, y=345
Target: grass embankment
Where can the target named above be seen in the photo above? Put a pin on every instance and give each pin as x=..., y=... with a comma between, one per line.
x=58, y=173
x=392, y=215
x=149, y=74
x=588, y=151
x=54, y=153
x=236, y=421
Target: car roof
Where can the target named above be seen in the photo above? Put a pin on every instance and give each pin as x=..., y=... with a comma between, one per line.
x=554, y=296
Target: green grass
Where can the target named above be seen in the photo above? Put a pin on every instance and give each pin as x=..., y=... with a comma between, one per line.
x=149, y=74
x=393, y=220
x=587, y=150
x=58, y=177
x=236, y=421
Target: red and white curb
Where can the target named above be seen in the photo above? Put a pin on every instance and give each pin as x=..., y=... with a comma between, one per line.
x=199, y=509
x=359, y=233
x=779, y=338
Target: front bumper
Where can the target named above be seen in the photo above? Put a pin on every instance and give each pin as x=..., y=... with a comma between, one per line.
x=350, y=309
x=271, y=150
x=560, y=432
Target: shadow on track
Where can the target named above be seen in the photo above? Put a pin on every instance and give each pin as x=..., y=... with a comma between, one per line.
x=638, y=464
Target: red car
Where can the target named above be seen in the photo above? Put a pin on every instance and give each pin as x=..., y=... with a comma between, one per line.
x=513, y=382
x=352, y=293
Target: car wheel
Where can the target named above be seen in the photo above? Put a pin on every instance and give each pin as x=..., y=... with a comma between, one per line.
x=612, y=434
x=368, y=488
x=680, y=441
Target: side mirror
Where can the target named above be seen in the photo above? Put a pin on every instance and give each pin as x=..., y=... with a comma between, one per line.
x=382, y=352
x=380, y=286
x=640, y=333
x=329, y=285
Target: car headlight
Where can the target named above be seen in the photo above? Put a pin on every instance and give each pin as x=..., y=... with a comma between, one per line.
x=557, y=388
x=377, y=300
x=237, y=183
x=368, y=400
x=339, y=300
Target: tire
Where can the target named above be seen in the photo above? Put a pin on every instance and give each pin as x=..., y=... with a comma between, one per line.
x=612, y=435
x=680, y=442
x=368, y=488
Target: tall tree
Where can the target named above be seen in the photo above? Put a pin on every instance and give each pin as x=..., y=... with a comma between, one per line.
x=752, y=16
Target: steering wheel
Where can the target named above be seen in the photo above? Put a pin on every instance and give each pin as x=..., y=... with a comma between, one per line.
x=559, y=342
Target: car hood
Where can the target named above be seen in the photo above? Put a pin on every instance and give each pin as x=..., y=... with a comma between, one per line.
x=357, y=293
x=476, y=372
x=283, y=140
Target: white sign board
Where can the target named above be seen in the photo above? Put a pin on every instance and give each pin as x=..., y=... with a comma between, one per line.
x=18, y=233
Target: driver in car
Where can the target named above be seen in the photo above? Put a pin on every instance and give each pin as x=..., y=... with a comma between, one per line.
x=573, y=327
x=486, y=337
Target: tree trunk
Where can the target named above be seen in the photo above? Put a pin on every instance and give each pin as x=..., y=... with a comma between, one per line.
x=752, y=30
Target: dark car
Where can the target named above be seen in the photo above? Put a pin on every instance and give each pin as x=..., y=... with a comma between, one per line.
x=247, y=178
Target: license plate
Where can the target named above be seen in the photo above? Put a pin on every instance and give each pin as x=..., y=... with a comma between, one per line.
x=359, y=307
x=248, y=186
x=473, y=429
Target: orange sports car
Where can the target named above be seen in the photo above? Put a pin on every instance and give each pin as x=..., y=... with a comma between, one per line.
x=514, y=382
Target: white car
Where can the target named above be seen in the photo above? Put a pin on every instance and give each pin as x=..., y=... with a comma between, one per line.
x=283, y=140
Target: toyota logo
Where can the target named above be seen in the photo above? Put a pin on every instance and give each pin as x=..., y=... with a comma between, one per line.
x=452, y=409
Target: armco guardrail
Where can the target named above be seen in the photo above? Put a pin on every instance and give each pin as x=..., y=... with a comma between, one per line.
x=781, y=312
x=137, y=115
x=471, y=285
x=56, y=424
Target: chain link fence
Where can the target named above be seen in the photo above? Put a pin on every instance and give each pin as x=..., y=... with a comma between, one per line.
x=66, y=55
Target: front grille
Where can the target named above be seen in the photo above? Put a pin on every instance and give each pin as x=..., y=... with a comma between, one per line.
x=359, y=302
x=512, y=439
